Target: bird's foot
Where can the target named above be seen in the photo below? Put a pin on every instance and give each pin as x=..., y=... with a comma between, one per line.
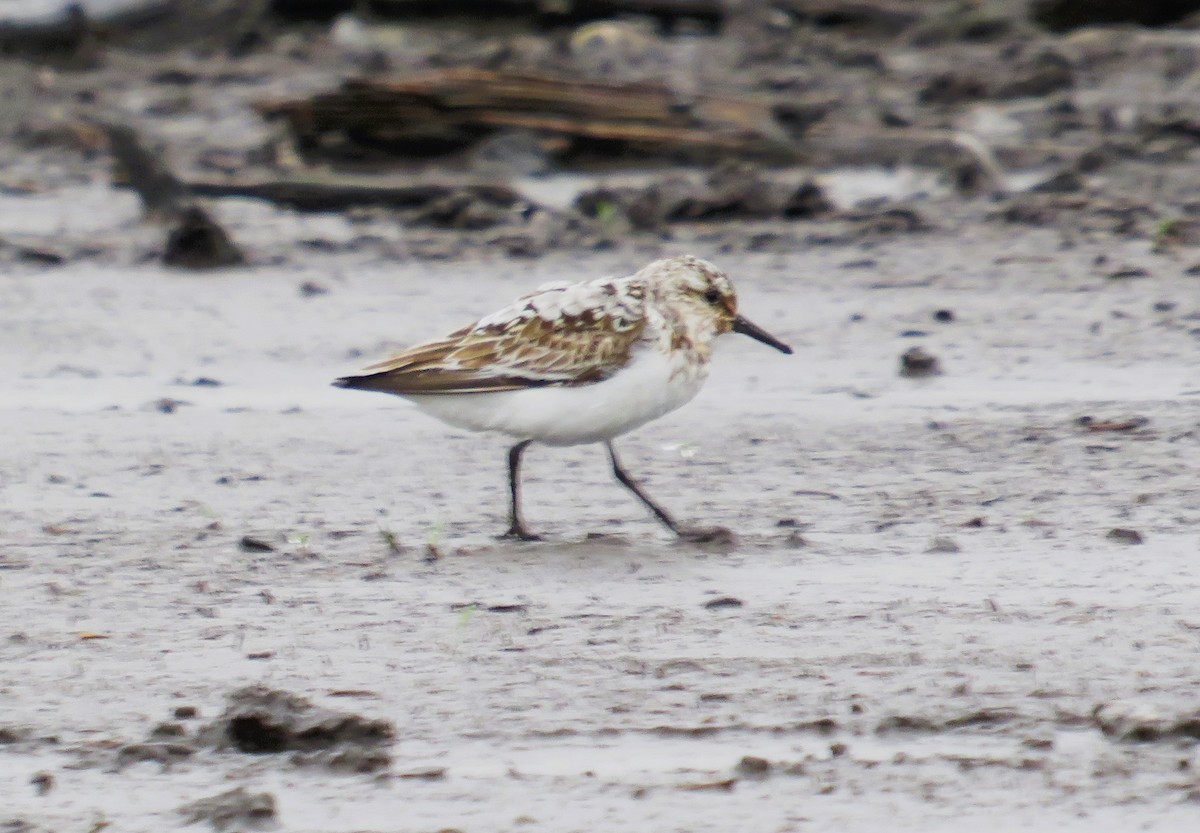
x=518, y=533
x=718, y=535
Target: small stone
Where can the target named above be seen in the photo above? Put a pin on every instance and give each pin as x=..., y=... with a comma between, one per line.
x=723, y=602
x=166, y=405
x=168, y=730
x=42, y=781
x=795, y=540
x=1124, y=536
x=251, y=544
x=943, y=316
x=916, y=363
x=199, y=242
x=946, y=545
x=751, y=766
x=40, y=256
x=435, y=773
x=1127, y=273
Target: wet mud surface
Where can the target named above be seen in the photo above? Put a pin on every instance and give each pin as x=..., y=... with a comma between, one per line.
x=963, y=589
x=925, y=619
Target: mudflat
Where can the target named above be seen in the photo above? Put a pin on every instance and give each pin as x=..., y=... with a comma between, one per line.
x=927, y=616
x=963, y=591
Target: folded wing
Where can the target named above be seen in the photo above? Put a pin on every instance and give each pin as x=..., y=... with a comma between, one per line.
x=562, y=334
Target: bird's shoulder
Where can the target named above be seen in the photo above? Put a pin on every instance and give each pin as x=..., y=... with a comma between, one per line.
x=616, y=304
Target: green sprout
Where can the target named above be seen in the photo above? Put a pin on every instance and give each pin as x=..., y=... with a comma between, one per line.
x=390, y=540
x=432, y=551
x=1168, y=232
x=606, y=211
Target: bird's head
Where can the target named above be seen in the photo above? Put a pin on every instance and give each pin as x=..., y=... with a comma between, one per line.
x=705, y=296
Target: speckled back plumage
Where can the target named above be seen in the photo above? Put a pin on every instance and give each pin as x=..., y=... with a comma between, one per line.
x=565, y=334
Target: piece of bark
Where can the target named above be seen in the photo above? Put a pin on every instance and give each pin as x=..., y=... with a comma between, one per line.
x=194, y=239
x=340, y=193
x=447, y=110
x=885, y=16
x=163, y=196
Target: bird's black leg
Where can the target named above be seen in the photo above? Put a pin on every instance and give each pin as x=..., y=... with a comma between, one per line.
x=516, y=527
x=717, y=534
x=631, y=484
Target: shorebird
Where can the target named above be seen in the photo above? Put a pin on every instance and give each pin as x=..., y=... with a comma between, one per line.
x=575, y=363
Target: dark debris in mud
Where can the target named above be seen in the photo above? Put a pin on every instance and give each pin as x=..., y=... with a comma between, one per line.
x=735, y=191
x=43, y=782
x=453, y=120
x=235, y=809
x=259, y=720
x=917, y=363
x=162, y=753
x=1138, y=722
x=197, y=241
x=981, y=718
x=1124, y=535
x=249, y=543
x=11, y=734
x=723, y=603
x=1063, y=15
x=752, y=766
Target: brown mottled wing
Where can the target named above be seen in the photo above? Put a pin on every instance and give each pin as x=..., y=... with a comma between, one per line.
x=561, y=335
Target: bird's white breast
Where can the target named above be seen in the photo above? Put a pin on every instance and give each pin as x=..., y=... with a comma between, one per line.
x=652, y=384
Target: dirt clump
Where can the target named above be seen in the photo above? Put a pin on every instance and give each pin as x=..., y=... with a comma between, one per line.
x=1140, y=722
x=236, y=808
x=917, y=362
x=163, y=754
x=260, y=720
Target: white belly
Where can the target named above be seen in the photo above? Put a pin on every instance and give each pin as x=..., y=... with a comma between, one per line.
x=653, y=384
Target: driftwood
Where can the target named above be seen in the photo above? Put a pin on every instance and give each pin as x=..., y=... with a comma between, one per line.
x=711, y=11
x=448, y=110
x=197, y=241
x=194, y=239
x=340, y=193
x=882, y=15
x=163, y=196
x=1064, y=15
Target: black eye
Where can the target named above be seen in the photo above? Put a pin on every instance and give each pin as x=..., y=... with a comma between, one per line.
x=712, y=296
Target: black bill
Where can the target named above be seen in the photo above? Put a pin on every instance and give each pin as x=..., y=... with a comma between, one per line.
x=747, y=328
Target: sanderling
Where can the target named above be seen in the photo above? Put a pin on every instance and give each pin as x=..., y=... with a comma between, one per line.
x=575, y=363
